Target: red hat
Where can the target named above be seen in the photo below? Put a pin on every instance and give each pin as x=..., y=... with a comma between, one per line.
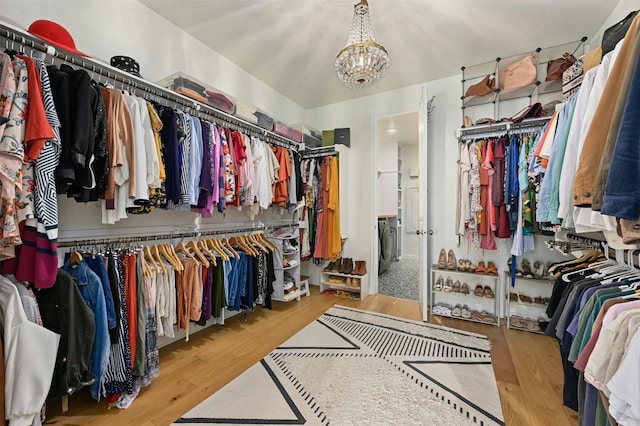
x=55, y=34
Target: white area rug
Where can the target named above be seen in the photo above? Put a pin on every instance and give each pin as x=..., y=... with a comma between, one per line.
x=354, y=367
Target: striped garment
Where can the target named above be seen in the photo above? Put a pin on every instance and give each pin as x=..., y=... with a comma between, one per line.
x=184, y=136
x=118, y=377
x=46, y=200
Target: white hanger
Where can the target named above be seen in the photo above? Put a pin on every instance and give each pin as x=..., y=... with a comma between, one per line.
x=608, y=261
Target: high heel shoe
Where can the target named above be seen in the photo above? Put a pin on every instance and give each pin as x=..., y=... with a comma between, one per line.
x=442, y=260
x=451, y=261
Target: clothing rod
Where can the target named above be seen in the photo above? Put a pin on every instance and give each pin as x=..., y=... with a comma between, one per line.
x=498, y=129
x=15, y=35
x=145, y=238
x=318, y=152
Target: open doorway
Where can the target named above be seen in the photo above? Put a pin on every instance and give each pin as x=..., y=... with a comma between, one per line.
x=397, y=205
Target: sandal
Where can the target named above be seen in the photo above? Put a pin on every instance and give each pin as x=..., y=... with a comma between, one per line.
x=438, y=285
x=464, y=289
x=491, y=269
x=476, y=316
x=538, y=270
x=480, y=269
x=513, y=297
x=488, y=292
x=488, y=317
x=478, y=291
x=470, y=267
x=538, y=300
x=462, y=265
x=456, y=287
x=448, y=284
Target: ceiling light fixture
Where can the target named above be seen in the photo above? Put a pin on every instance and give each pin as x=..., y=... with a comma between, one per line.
x=362, y=61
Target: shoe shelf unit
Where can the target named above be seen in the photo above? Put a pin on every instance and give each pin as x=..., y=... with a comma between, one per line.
x=343, y=285
x=288, y=285
x=448, y=298
x=475, y=73
x=526, y=302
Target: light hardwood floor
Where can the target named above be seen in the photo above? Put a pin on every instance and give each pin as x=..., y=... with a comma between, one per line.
x=527, y=366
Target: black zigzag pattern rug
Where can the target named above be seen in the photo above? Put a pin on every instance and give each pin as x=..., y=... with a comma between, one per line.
x=354, y=367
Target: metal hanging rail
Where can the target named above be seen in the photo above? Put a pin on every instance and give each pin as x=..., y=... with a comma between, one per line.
x=169, y=236
x=501, y=128
x=13, y=35
x=325, y=151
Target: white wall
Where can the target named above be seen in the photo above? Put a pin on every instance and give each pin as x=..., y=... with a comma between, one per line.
x=103, y=29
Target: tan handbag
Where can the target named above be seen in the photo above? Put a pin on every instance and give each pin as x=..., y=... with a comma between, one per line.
x=519, y=74
x=486, y=86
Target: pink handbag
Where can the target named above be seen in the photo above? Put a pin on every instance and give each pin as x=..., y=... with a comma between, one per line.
x=519, y=74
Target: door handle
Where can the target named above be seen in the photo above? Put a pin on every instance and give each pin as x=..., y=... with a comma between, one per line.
x=422, y=232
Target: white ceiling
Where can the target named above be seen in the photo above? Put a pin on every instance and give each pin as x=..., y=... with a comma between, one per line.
x=291, y=45
x=405, y=126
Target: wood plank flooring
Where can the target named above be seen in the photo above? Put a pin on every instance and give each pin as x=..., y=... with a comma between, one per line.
x=527, y=366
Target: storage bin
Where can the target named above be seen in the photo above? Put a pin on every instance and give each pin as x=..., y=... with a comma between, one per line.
x=310, y=136
x=288, y=131
x=195, y=89
x=254, y=115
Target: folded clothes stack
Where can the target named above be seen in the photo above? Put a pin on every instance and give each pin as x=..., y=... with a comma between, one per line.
x=195, y=90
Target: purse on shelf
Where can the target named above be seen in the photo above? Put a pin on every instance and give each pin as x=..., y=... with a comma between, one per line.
x=486, y=86
x=616, y=32
x=531, y=111
x=519, y=74
x=556, y=67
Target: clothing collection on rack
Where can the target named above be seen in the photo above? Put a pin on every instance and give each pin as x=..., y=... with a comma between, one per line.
x=595, y=314
x=65, y=133
x=495, y=193
x=109, y=305
x=320, y=235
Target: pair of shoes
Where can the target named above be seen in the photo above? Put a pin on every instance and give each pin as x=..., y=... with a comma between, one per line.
x=490, y=269
x=347, y=265
x=333, y=266
x=360, y=268
x=526, y=269
x=353, y=282
x=456, y=287
x=447, y=260
x=464, y=289
x=466, y=266
x=525, y=299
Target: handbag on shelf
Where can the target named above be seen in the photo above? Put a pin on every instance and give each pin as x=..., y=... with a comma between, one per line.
x=532, y=111
x=556, y=67
x=486, y=86
x=519, y=74
x=616, y=32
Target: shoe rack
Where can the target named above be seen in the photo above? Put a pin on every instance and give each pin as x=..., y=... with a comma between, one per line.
x=467, y=296
x=349, y=285
x=527, y=301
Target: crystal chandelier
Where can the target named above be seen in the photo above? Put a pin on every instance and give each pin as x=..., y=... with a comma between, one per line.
x=362, y=61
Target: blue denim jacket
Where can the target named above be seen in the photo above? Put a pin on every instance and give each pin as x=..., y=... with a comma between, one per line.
x=96, y=264
x=90, y=287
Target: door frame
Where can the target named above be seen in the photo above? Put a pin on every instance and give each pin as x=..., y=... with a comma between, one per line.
x=373, y=268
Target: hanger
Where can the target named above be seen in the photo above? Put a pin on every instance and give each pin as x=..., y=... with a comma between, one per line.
x=227, y=245
x=256, y=241
x=214, y=245
x=181, y=248
x=201, y=258
x=592, y=266
x=149, y=258
x=267, y=241
x=205, y=250
x=168, y=254
x=156, y=252
x=75, y=258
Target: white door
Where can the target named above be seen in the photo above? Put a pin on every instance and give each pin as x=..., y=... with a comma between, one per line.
x=423, y=223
